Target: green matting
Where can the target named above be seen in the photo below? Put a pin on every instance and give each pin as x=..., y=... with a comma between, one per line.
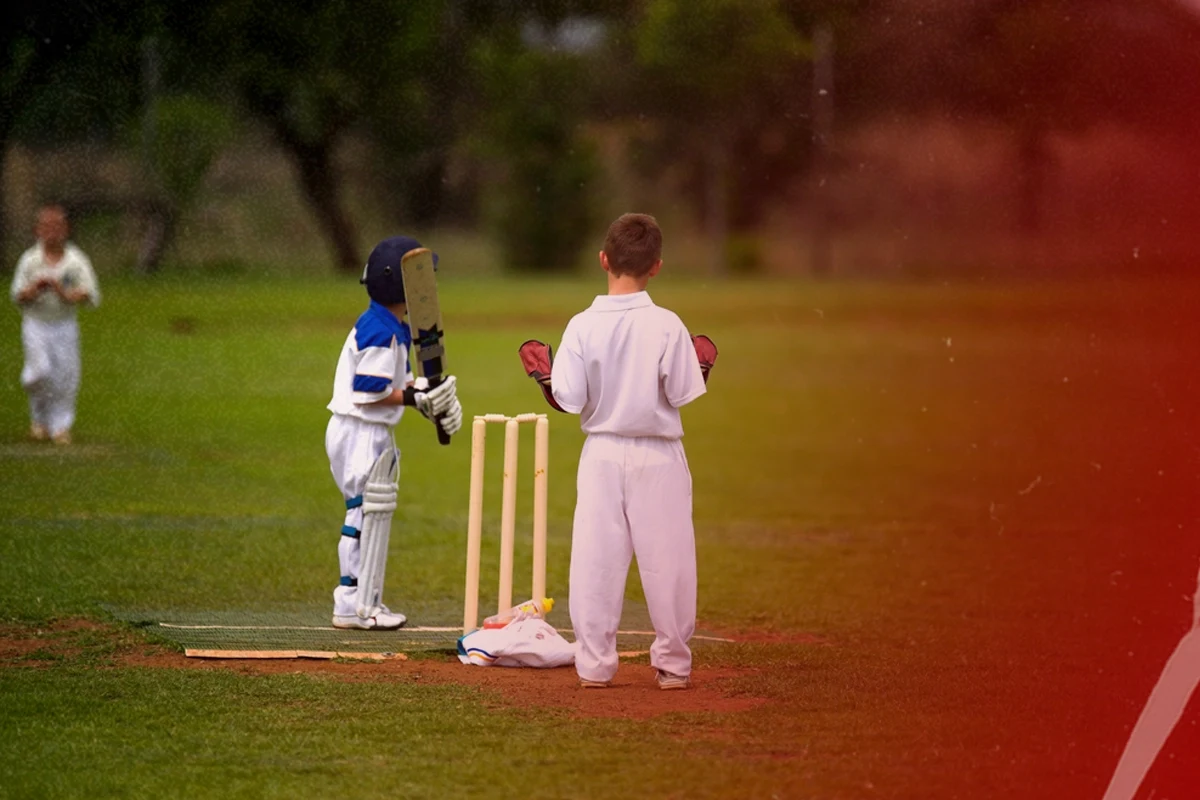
x=433, y=626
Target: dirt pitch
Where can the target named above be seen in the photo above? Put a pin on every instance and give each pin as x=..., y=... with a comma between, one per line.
x=633, y=695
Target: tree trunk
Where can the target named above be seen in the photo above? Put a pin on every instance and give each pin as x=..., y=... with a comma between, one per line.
x=423, y=199
x=160, y=234
x=717, y=203
x=318, y=182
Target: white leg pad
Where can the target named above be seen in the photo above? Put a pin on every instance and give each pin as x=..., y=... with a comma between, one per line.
x=379, y=503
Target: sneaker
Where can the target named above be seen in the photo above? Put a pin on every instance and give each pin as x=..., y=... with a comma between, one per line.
x=38, y=432
x=667, y=681
x=385, y=620
x=62, y=437
x=584, y=683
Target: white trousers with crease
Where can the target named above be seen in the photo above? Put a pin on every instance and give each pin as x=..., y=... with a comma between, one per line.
x=634, y=498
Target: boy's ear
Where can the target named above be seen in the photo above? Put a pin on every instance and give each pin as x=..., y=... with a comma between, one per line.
x=604, y=261
x=654, y=270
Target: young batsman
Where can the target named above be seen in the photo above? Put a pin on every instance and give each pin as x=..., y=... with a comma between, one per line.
x=626, y=366
x=52, y=279
x=371, y=388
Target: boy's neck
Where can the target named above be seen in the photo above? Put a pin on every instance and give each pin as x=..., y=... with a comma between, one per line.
x=398, y=309
x=53, y=252
x=626, y=284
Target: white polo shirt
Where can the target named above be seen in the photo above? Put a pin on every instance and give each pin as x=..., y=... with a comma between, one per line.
x=626, y=366
x=374, y=361
x=73, y=271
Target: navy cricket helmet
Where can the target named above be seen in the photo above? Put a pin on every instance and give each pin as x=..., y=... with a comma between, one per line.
x=381, y=275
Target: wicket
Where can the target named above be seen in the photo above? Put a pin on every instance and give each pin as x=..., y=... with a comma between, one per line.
x=508, y=511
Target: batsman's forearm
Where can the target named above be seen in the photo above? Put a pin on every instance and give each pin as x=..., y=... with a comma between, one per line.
x=398, y=397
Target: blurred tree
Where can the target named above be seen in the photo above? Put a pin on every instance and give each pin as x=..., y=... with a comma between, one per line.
x=416, y=125
x=39, y=49
x=499, y=86
x=1037, y=68
x=540, y=204
x=721, y=76
x=187, y=134
x=309, y=70
x=1024, y=63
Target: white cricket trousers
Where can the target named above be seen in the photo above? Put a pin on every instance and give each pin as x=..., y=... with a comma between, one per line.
x=634, y=497
x=353, y=445
x=51, y=373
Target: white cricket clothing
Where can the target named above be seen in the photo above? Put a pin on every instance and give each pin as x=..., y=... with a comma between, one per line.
x=73, y=271
x=374, y=361
x=353, y=445
x=626, y=366
x=634, y=496
x=50, y=335
x=524, y=643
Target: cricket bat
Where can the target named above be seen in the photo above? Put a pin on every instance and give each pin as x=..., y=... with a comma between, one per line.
x=425, y=319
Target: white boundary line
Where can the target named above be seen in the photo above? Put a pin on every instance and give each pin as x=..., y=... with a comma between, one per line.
x=398, y=630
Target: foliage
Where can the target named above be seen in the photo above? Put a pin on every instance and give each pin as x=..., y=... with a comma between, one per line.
x=721, y=81
x=544, y=185
x=718, y=90
x=189, y=133
x=709, y=55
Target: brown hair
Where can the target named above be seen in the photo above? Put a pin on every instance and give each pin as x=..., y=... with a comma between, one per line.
x=633, y=245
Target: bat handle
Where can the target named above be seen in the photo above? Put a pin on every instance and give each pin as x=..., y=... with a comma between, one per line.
x=443, y=437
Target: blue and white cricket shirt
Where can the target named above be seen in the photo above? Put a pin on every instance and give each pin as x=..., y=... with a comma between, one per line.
x=374, y=361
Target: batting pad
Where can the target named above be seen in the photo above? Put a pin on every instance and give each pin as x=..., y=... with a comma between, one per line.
x=379, y=503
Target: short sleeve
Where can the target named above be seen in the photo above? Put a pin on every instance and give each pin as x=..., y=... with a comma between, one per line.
x=87, y=279
x=22, y=277
x=373, y=374
x=679, y=369
x=568, y=375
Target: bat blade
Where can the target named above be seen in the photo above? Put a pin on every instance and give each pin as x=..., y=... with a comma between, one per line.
x=425, y=318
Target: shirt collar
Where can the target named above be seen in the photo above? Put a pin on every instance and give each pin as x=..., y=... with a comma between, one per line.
x=388, y=319
x=621, y=302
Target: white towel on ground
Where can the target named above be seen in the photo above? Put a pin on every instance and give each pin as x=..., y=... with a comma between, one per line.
x=525, y=643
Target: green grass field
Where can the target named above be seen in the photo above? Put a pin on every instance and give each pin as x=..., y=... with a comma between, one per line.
x=980, y=498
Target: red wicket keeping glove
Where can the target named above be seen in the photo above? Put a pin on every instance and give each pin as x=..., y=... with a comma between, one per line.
x=706, y=351
x=538, y=360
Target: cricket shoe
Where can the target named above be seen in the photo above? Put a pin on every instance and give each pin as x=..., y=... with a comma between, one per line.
x=584, y=683
x=667, y=681
x=38, y=433
x=385, y=620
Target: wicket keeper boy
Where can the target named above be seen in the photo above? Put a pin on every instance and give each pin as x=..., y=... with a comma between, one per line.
x=372, y=386
x=627, y=366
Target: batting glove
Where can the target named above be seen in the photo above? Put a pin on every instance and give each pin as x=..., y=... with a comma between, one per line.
x=451, y=421
x=436, y=401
